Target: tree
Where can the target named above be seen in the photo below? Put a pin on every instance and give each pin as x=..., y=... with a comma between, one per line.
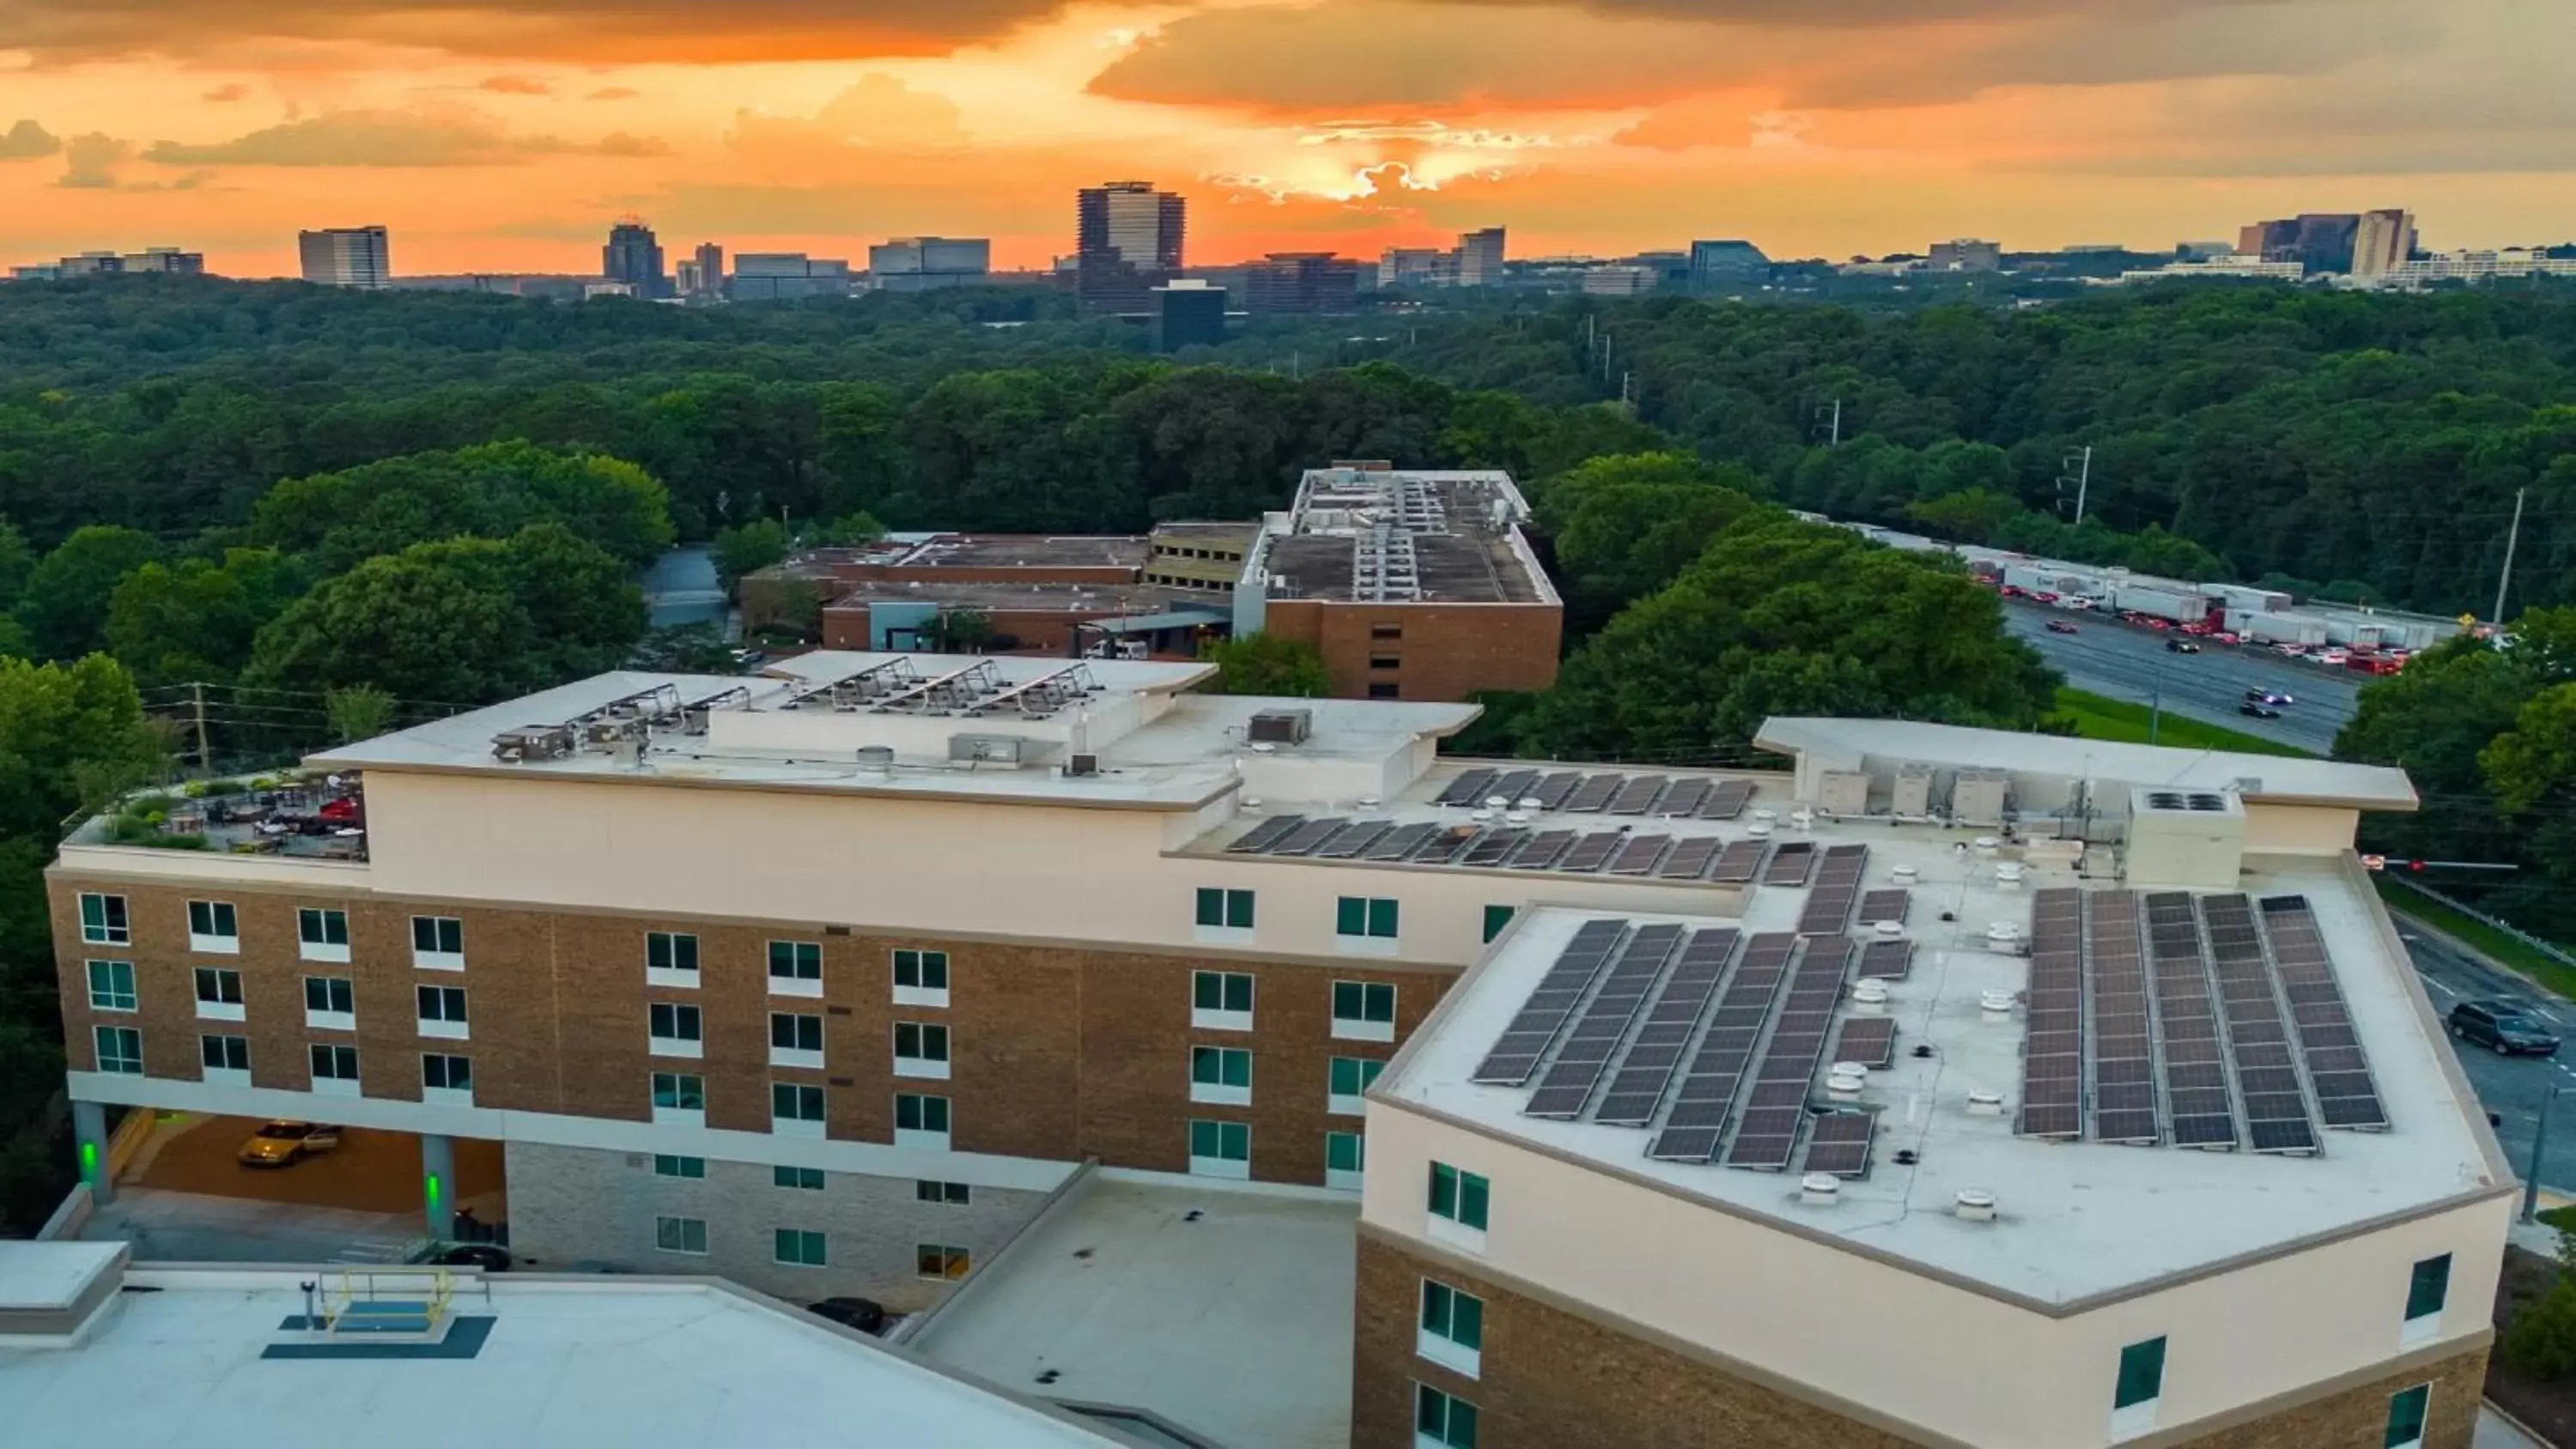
x=749, y=547
x=358, y=712
x=1624, y=525
x=195, y=619
x=489, y=491
x=17, y=561
x=961, y=631
x=1266, y=664
x=65, y=607
x=848, y=531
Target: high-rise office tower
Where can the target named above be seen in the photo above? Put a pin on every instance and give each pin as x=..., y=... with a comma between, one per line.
x=2326, y=240
x=634, y=256
x=1130, y=241
x=710, y=268
x=1480, y=258
x=2271, y=241
x=2381, y=241
x=1718, y=263
x=347, y=256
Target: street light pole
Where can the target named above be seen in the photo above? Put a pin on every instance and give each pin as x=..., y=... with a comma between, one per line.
x=2539, y=1141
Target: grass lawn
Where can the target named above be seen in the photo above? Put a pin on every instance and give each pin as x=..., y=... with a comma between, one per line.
x=2479, y=936
x=2100, y=718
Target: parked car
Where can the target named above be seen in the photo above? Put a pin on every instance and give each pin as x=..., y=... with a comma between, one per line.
x=2504, y=1027
x=485, y=1256
x=2257, y=711
x=864, y=1314
x=283, y=1143
x=2331, y=658
x=2060, y=626
x=2182, y=646
x=2225, y=636
x=2268, y=696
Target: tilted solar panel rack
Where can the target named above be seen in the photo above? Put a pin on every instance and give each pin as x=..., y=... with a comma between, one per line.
x=1726, y=800
x=1591, y=852
x=1307, y=837
x=1542, y=850
x=1512, y=787
x=2259, y=1057
x=1829, y=902
x=1637, y=795
x=1767, y=1136
x=1570, y=1080
x=1638, y=854
x=1593, y=793
x=2120, y=1036
x=1445, y=845
x=1869, y=1041
x=1790, y=862
x=2347, y=1094
x=2187, y=1018
x=1400, y=842
x=1740, y=862
x=1689, y=859
x=1551, y=791
x=1490, y=847
x=1268, y=833
x=1347, y=842
x=1468, y=788
x=1888, y=903
x=1707, y=1084
x=1534, y=1029
x=1682, y=800
x=1887, y=958
x=2052, y=1063
x=1839, y=1143
x=1638, y=1086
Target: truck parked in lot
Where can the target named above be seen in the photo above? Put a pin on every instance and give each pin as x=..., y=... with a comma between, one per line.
x=2304, y=630
x=2172, y=604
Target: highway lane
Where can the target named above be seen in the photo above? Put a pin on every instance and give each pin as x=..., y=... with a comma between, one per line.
x=2510, y=1087
x=2125, y=662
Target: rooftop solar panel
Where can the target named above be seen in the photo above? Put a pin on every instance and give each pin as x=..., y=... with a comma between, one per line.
x=1594, y=792
x=1637, y=856
x=1539, y=1023
x=1829, y=904
x=1637, y=795
x=1690, y=858
x=1492, y=846
x=1710, y=1078
x=1791, y=1056
x=1887, y=960
x=1790, y=862
x=1591, y=852
x=1552, y=790
x=1886, y=904
x=2347, y=1095
x=1726, y=800
x=1542, y=850
x=1400, y=842
x=1683, y=798
x=1304, y=839
x=1596, y=1035
x=1347, y=842
x=1511, y=787
x=1467, y=789
x=1739, y=862
x=1268, y=833
x=1446, y=844
x=1868, y=1040
x=1839, y=1143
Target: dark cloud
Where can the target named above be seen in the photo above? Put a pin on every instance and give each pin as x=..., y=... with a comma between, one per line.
x=390, y=139
x=26, y=141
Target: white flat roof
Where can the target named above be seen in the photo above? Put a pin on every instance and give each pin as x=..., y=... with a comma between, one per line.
x=2082, y=1219
x=595, y=1362
x=1236, y=1325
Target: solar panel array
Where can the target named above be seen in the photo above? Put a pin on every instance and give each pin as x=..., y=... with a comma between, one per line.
x=1570, y=1079
x=1563, y=848
x=1886, y=904
x=1739, y=862
x=2120, y=1037
x=1867, y=1040
x=1687, y=797
x=1769, y=1132
x=2193, y=1076
x=2258, y=1044
x=1516, y=1053
x=2347, y=1095
x=1638, y=1087
x=1829, y=905
x=1714, y=1073
x=1888, y=958
x=1790, y=862
x=2052, y=1064
x=1840, y=1144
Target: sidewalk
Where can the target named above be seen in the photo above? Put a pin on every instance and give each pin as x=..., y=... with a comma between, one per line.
x=2493, y=1432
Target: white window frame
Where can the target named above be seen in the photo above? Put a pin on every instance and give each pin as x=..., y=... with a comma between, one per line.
x=214, y=942
x=1413, y=1414
x=109, y=999
x=685, y=978
x=681, y=1047
x=921, y=1064
x=1219, y=1018
x=118, y=931
x=2418, y=1441
x=438, y=960
x=447, y=1096
x=679, y=1232
x=933, y=1190
x=331, y=1018
x=218, y=1009
x=823, y=1238
x=442, y=1027
x=1220, y=1093
x=793, y=985
x=1231, y=1169
x=679, y=1167
x=920, y=995
x=226, y=1075
x=1347, y=1179
x=802, y=1057
x=678, y=1114
x=1438, y=1347
x=1222, y=934
x=308, y=949
x=1360, y=1028
x=1451, y=1229
x=116, y=1063
x=934, y=1138
x=333, y=1086
x=1351, y=1104
x=800, y=1125
x=955, y=1263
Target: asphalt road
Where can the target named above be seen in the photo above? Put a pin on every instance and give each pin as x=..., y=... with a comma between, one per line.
x=2511, y=1087
x=2125, y=662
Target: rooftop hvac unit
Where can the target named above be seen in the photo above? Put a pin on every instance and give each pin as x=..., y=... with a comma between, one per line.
x=1913, y=792
x=1843, y=792
x=987, y=749
x=876, y=758
x=536, y=742
x=1281, y=726
x=1977, y=797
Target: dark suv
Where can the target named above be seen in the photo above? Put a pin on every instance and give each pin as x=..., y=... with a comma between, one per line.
x=2503, y=1026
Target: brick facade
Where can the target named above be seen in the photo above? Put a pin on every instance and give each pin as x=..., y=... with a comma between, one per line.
x=1057, y=1052
x=1442, y=652
x=1549, y=1377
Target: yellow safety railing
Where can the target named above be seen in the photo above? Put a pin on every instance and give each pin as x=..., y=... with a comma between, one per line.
x=357, y=1301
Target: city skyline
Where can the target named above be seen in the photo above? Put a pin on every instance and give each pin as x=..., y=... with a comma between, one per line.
x=1349, y=125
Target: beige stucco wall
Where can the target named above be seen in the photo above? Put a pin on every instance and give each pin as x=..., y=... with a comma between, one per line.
x=2300, y=829
x=1944, y=1358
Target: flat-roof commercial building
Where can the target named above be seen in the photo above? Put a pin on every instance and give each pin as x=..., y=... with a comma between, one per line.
x=347, y=256
x=2038, y=1093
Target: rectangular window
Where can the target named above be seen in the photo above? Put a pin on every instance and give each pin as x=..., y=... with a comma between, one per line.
x=1347, y=1079
x=799, y=1249
x=680, y=1235
x=2407, y=1411
x=920, y=1121
x=330, y=996
x=1453, y=1328
x=683, y=1093
x=1363, y=1011
x=1384, y=689
x=951, y=1194
x=332, y=1063
x=1225, y=909
x=442, y=1011
x=1442, y=1421
x=921, y=1049
x=668, y=1165
x=438, y=943
x=795, y=1102
x=2142, y=1375
x=808, y=1179
x=1221, y=1000
x=1345, y=1155
x=322, y=934
x=219, y=993
x=120, y=1050
x=1221, y=1076
x=1459, y=1197
x=1372, y=917
x=225, y=1053
x=670, y=951
x=442, y=1073
x=2429, y=1289
x=111, y=985
x=1386, y=661
x=1220, y=1149
x=212, y=926
x=795, y=968
x=939, y=1260
x=921, y=978
x=675, y=1030
x=795, y=1040
x=1386, y=631
x=103, y=920
x=1496, y=918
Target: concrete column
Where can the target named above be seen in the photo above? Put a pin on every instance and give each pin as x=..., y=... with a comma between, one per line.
x=438, y=1184
x=89, y=1134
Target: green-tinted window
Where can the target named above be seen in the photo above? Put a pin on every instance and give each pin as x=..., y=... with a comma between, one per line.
x=954, y=1194
x=795, y=1031
x=2142, y=1373
x=921, y=1041
x=1443, y=1419
x=941, y=1260
x=1352, y=1075
x=1221, y=991
x=317, y=927
x=1455, y=1316
x=1225, y=908
x=1364, y=916
x=2407, y=1409
x=331, y=994
x=1372, y=1001
x=799, y=1248
x=438, y=935
x=1221, y=1067
x=670, y=951
x=795, y=1102
x=103, y=920
x=680, y=1235
x=111, y=985
x=681, y=1091
x=810, y=1179
x=923, y=970
x=213, y=918
x=120, y=1049
x=1497, y=917
x=796, y=960
x=1222, y=1141
x=1461, y=1197
x=916, y=1113
x=667, y=1165
x=2429, y=1289
x=1344, y=1151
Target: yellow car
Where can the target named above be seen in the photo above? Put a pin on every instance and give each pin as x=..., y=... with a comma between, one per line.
x=283, y=1144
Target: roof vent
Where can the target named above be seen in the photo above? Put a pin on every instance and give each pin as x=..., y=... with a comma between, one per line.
x=1905, y=875
x=1480, y=815
x=876, y=759
x=1516, y=817
x=1889, y=929
x=1844, y=1082
x=1975, y=1205
x=2215, y=803
x=1251, y=802
x=1532, y=802
x=1264, y=747
x=1820, y=1189
x=2164, y=800
x=1869, y=997
x=1759, y=829
x=2002, y=935
x=1995, y=1004
x=2008, y=874
x=1281, y=726
x=1983, y=1103
x=1498, y=802
x=1370, y=802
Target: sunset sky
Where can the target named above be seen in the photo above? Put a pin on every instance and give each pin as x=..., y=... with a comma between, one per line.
x=507, y=136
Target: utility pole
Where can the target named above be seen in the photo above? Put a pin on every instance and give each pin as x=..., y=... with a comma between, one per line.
x=205, y=749
x=1831, y=414
x=2081, y=465
x=2512, y=537
x=2539, y=1141
x=2155, y=711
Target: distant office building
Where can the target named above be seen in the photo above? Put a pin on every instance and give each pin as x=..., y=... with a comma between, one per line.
x=928, y=263
x=347, y=256
x=2237, y=265
x=634, y=256
x=2326, y=240
x=1619, y=280
x=1304, y=282
x=2202, y=251
x=1480, y=258
x=787, y=277
x=687, y=279
x=1965, y=255
x=1417, y=267
x=2271, y=241
x=2382, y=241
x=2478, y=266
x=1188, y=313
x=702, y=276
x=37, y=272
x=169, y=261
x=1130, y=241
x=1726, y=263
x=93, y=264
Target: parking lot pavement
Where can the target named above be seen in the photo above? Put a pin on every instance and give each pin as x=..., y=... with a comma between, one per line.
x=188, y=1227
x=370, y=1172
